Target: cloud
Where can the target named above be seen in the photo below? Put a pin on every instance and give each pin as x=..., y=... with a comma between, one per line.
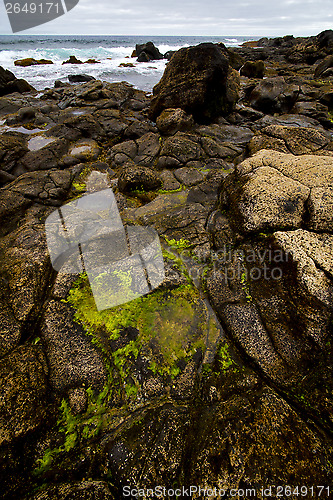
x=191, y=17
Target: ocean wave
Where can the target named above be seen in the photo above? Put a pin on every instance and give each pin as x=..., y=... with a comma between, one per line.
x=110, y=51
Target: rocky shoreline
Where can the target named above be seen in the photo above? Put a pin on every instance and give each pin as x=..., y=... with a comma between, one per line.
x=222, y=376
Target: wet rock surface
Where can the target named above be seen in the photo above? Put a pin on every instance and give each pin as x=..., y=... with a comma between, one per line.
x=222, y=375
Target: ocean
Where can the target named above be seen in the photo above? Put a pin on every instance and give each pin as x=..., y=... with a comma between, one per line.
x=111, y=51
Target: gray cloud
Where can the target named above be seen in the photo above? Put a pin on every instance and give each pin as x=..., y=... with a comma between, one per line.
x=191, y=17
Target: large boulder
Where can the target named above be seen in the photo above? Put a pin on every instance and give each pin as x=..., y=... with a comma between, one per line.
x=272, y=282
x=325, y=38
x=9, y=83
x=323, y=66
x=200, y=81
x=274, y=95
x=275, y=191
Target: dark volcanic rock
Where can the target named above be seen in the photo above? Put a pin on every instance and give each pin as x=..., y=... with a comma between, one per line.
x=274, y=95
x=323, y=66
x=72, y=60
x=147, y=51
x=200, y=81
x=325, y=38
x=32, y=62
x=138, y=178
x=171, y=121
x=80, y=78
x=9, y=83
x=169, y=54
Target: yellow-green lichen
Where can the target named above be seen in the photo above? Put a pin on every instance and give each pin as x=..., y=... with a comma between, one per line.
x=174, y=319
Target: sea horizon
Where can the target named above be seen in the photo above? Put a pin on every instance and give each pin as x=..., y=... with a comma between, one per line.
x=109, y=50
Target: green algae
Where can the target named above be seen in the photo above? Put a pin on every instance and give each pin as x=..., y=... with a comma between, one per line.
x=172, y=318
x=76, y=427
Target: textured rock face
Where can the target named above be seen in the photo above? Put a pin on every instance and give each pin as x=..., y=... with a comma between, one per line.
x=271, y=191
x=295, y=140
x=198, y=80
x=284, y=270
x=10, y=84
x=274, y=95
x=221, y=376
x=137, y=178
x=253, y=69
x=174, y=120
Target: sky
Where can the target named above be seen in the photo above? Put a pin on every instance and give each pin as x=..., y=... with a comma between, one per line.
x=187, y=17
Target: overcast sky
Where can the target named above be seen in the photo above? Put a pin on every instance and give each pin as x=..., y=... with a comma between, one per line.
x=188, y=17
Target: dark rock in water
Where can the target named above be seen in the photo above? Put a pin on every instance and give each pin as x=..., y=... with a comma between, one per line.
x=72, y=60
x=150, y=52
x=274, y=95
x=59, y=84
x=126, y=65
x=30, y=61
x=9, y=83
x=253, y=69
x=200, y=81
x=143, y=57
x=80, y=78
x=134, y=178
x=169, y=54
x=323, y=66
x=325, y=38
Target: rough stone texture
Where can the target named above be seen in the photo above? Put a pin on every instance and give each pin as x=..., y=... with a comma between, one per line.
x=12, y=148
x=253, y=69
x=274, y=95
x=72, y=358
x=23, y=376
x=188, y=176
x=198, y=80
x=323, y=66
x=290, y=139
x=138, y=178
x=165, y=399
x=9, y=83
x=171, y=121
x=270, y=191
x=85, y=490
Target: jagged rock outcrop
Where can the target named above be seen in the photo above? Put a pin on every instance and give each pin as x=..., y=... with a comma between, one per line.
x=10, y=84
x=200, y=81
